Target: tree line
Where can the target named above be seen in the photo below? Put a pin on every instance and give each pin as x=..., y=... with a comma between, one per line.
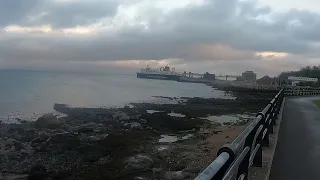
x=308, y=71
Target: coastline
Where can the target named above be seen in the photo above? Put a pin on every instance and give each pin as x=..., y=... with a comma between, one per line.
x=123, y=143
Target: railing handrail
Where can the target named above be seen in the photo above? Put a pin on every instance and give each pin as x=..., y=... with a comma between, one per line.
x=301, y=91
x=246, y=149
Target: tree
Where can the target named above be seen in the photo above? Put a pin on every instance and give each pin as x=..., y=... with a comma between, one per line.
x=313, y=72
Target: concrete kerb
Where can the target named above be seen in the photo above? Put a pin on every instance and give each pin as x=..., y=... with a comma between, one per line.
x=276, y=139
x=263, y=173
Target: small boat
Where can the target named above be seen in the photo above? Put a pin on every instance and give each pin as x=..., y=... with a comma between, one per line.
x=164, y=73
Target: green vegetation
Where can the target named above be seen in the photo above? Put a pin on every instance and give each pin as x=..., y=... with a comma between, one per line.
x=313, y=72
x=317, y=102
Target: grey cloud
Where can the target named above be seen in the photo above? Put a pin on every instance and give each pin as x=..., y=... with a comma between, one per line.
x=248, y=9
x=307, y=25
x=73, y=13
x=232, y=28
x=55, y=13
x=240, y=31
x=13, y=11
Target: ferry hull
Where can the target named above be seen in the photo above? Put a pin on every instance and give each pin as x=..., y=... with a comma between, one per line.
x=171, y=77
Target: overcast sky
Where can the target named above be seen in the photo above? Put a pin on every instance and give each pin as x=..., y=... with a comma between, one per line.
x=218, y=36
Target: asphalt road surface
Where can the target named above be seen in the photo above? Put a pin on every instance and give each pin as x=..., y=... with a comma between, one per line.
x=297, y=155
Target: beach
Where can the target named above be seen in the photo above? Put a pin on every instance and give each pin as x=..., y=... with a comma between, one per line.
x=167, y=137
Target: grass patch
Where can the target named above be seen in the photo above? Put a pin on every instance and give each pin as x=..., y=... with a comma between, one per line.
x=317, y=102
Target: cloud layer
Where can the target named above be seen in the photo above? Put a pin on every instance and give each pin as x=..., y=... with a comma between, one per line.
x=200, y=35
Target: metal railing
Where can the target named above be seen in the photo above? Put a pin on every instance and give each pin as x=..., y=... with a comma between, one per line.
x=246, y=150
x=301, y=92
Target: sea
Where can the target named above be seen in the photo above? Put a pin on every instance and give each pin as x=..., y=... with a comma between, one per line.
x=28, y=94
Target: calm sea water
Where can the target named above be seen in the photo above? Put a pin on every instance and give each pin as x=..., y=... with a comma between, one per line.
x=28, y=94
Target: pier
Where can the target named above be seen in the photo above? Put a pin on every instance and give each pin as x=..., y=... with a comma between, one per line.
x=199, y=76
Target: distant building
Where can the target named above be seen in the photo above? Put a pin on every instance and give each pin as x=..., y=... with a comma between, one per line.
x=302, y=81
x=209, y=76
x=249, y=76
x=240, y=78
x=266, y=80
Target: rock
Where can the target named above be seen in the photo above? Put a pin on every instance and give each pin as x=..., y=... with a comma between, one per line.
x=14, y=155
x=133, y=125
x=28, y=135
x=66, y=139
x=156, y=170
x=194, y=170
x=97, y=131
x=137, y=117
x=140, y=178
x=102, y=136
x=38, y=172
x=27, y=149
x=59, y=137
x=104, y=160
x=93, y=139
x=4, y=176
x=18, y=146
x=85, y=129
x=41, y=138
x=216, y=132
x=58, y=143
x=120, y=116
x=48, y=121
x=21, y=120
x=10, y=142
x=176, y=175
x=139, y=162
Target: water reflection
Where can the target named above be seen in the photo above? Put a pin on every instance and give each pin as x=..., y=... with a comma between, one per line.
x=37, y=91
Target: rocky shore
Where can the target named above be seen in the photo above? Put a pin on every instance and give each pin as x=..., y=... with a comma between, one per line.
x=140, y=141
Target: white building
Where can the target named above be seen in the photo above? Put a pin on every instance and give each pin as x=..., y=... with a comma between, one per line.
x=296, y=80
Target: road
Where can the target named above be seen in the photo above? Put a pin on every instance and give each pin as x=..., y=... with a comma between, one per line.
x=297, y=154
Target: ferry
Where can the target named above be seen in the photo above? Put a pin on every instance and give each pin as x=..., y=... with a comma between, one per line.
x=163, y=73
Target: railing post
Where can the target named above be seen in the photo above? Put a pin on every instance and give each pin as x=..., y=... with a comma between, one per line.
x=279, y=103
x=272, y=116
x=257, y=160
x=265, y=139
x=244, y=165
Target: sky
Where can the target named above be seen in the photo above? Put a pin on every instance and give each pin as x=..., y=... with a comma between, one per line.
x=217, y=36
